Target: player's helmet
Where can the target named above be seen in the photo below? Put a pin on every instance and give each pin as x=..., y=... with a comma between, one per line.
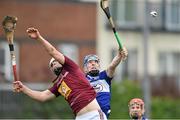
x=87, y=58
x=56, y=70
x=50, y=62
x=136, y=108
x=136, y=100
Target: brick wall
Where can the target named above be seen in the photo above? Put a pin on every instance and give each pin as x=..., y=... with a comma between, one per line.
x=59, y=22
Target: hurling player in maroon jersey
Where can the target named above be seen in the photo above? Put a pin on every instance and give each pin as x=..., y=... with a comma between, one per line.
x=71, y=83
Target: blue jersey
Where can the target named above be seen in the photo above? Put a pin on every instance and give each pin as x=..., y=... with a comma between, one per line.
x=144, y=118
x=102, y=86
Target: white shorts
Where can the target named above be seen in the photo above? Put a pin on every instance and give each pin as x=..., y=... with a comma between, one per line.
x=93, y=115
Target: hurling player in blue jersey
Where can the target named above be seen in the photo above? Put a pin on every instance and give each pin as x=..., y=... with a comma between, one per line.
x=101, y=80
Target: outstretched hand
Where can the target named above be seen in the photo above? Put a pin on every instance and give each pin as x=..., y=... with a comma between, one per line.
x=123, y=53
x=33, y=33
x=18, y=86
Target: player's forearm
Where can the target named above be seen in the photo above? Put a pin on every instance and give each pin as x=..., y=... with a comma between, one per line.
x=115, y=62
x=37, y=95
x=111, y=68
x=122, y=55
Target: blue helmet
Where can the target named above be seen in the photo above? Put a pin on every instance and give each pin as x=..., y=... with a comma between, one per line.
x=87, y=58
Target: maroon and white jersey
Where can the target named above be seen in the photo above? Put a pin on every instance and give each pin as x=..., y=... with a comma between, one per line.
x=73, y=86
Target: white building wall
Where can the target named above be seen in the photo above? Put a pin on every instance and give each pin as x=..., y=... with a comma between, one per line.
x=162, y=42
x=158, y=42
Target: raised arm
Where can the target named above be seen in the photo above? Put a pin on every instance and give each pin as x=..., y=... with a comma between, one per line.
x=121, y=55
x=34, y=34
x=37, y=95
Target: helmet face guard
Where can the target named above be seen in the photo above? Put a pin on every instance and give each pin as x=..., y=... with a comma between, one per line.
x=57, y=71
x=88, y=58
x=51, y=61
x=136, y=108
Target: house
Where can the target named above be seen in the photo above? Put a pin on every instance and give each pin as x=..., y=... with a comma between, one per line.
x=162, y=38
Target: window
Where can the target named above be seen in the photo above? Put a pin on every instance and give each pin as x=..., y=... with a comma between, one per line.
x=132, y=64
x=2, y=62
x=169, y=64
x=5, y=61
x=71, y=51
x=173, y=15
x=128, y=68
x=124, y=12
x=129, y=14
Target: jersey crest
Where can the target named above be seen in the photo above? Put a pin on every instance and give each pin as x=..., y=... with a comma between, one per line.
x=64, y=90
x=100, y=86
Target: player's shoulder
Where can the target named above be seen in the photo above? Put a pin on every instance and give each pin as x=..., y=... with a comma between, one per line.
x=103, y=75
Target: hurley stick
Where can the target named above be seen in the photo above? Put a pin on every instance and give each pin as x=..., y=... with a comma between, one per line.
x=9, y=25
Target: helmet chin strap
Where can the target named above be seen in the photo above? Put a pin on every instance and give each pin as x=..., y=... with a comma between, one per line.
x=93, y=73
